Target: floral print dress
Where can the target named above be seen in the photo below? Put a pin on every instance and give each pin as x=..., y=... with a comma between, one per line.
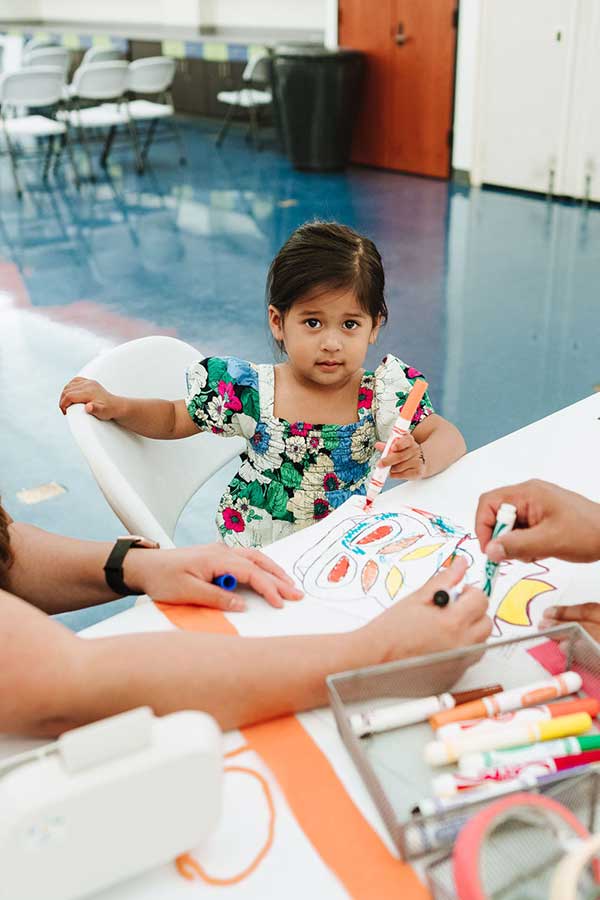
x=292, y=473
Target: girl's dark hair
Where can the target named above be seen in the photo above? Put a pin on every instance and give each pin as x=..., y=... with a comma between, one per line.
x=6, y=557
x=321, y=255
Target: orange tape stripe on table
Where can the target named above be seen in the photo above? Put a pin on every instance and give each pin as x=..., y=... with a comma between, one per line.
x=323, y=809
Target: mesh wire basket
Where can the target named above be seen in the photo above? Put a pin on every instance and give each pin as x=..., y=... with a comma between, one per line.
x=391, y=763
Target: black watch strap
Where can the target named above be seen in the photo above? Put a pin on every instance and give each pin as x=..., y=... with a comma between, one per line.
x=113, y=567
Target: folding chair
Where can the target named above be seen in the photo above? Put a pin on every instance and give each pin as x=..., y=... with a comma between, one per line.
x=251, y=99
x=147, y=483
x=100, y=54
x=153, y=76
x=105, y=81
x=48, y=56
x=31, y=89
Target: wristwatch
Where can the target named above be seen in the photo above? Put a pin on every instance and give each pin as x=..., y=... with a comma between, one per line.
x=113, y=567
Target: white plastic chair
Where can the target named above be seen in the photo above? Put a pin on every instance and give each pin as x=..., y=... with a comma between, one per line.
x=146, y=482
x=33, y=88
x=104, y=81
x=48, y=56
x=153, y=76
x=257, y=71
x=100, y=54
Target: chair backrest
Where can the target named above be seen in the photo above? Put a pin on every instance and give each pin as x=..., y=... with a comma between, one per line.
x=151, y=75
x=258, y=69
x=146, y=482
x=48, y=56
x=100, y=54
x=37, y=86
x=36, y=43
x=101, y=80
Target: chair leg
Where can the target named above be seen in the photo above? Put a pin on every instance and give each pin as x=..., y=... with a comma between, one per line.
x=67, y=143
x=13, y=163
x=48, y=159
x=84, y=143
x=107, y=146
x=179, y=139
x=254, y=128
x=225, y=125
x=139, y=163
x=148, y=140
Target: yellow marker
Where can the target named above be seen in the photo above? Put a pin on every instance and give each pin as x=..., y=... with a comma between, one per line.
x=439, y=753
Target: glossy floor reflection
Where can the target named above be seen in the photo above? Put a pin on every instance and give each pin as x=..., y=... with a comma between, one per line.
x=493, y=295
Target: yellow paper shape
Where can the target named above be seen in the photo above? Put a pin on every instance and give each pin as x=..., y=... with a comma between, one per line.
x=394, y=581
x=422, y=552
x=174, y=49
x=215, y=51
x=513, y=609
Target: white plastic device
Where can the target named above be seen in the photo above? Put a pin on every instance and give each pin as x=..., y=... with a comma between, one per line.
x=107, y=801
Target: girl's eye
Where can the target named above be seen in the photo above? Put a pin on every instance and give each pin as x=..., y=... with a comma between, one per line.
x=350, y=324
x=312, y=323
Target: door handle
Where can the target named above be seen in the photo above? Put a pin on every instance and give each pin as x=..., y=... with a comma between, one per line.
x=400, y=37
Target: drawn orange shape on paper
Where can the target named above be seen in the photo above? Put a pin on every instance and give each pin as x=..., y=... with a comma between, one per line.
x=376, y=535
x=394, y=581
x=188, y=867
x=400, y=545
x=514, y=608
x=369, y=575
x=340, y=570
x=421, y=552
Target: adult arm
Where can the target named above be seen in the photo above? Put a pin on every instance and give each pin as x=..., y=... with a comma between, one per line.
x=61, y=574
x=54, y=680
x=551, y=521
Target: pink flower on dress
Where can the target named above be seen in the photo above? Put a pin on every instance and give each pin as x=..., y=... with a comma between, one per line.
x=233, y=520
x=365, y=398
x=300, y=428
x=331, y=482
x=413, y=373
x=231, y=401
x=419, y=414
x=321, y=508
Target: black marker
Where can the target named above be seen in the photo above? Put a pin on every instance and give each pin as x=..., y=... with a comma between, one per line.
x=442, y=598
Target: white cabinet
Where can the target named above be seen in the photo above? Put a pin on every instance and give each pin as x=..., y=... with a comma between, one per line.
x=537, y=103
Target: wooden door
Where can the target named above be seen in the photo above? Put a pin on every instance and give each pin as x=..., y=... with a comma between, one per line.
x=405, y=117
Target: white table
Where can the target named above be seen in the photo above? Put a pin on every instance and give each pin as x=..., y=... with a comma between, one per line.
x=563, y=448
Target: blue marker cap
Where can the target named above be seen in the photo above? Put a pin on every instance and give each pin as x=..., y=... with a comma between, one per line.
x=227, y=582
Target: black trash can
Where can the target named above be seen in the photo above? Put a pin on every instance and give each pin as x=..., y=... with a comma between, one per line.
x=317, y=92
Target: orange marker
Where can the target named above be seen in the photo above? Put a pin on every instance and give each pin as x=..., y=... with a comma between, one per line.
x=401, y=426
x=507, y=701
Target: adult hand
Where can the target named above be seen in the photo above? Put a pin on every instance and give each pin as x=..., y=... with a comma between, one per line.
x=586, y=614
x=98, y=401
x=185, y=576
x=551, y=521
x=405, y=458
x=415, y=626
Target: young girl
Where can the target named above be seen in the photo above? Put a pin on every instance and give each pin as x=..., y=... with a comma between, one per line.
x=312, y=423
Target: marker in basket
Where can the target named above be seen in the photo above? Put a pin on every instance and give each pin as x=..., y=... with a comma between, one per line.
x=507, y=701
x=528, y=714
x=226, y=581
x=401, y=426
x=472, y=763
x=505, y=521
x=432, y=805
x=385, y=718
x=449, y=784
x=439, y=753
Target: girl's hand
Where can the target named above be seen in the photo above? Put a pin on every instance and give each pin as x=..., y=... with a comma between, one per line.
x=185, y=576
x=98, y=401
x=406, y=458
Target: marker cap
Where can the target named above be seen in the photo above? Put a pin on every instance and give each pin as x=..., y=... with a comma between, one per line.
x=568, y=707
x=436, y=754
x=564, y=726
x=477, y=694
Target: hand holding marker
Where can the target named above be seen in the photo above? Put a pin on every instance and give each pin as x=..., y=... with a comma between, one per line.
x=401, y=426
x=505, y=521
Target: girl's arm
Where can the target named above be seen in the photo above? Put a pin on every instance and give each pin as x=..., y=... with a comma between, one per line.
x=161, y=419
x=432, y=446
x=54, y=680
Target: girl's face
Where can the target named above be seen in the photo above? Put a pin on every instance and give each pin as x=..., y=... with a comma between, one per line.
x=326, y=337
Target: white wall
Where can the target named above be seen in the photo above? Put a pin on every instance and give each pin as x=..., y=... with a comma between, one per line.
x=20, y=9
x=466, y=83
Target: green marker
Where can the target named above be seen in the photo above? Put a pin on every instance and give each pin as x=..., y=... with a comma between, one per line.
x=472, y=763
x=505, y=521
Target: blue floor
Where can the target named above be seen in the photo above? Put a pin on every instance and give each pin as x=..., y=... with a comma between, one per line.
x=493, y=295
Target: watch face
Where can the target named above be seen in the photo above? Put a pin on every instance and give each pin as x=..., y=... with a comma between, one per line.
x=139, y=541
